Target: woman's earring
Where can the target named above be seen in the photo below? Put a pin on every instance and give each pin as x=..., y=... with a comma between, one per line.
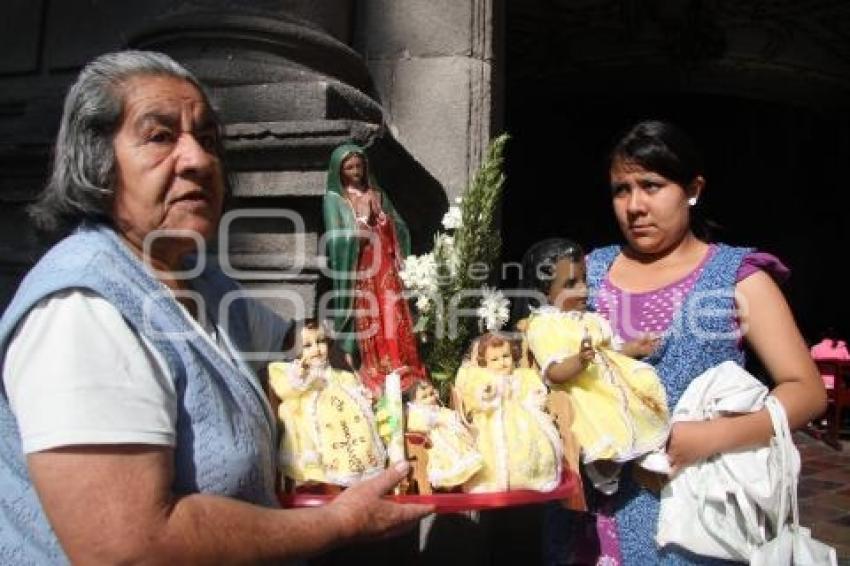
x=692, y=201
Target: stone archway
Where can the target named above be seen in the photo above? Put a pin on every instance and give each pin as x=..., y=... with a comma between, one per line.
x=762, y=86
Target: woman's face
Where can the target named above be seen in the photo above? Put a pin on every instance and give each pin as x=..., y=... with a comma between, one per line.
x=168, y=174
x=499, y=358
x=314, y=346
x=652, y=211
x=568, y=290
x=353, y=170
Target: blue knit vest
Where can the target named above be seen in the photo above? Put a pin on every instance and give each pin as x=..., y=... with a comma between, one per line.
x=225, y=429
x=703, y=333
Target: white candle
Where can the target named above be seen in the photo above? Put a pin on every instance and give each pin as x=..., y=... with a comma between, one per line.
x=392, y=391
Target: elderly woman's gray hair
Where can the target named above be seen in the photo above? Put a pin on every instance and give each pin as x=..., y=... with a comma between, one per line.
x=82, y=181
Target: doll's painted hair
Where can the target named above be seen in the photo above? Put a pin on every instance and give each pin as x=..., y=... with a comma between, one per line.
x=494, y=340
x=538, y=272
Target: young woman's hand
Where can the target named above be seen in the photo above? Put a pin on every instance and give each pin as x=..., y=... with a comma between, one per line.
x=691, y=442
x=641, y=347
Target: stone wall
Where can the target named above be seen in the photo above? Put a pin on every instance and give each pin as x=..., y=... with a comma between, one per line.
x=437, y=73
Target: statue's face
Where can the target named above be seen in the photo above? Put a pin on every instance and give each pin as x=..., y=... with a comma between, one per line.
x=499, y=358
x=314, y=346
x=353, y=170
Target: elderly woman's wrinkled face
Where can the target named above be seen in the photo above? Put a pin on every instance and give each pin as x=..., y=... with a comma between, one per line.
x=168, y=174
x=652, y=210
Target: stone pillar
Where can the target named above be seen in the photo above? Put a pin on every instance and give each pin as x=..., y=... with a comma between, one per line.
x=437, y=70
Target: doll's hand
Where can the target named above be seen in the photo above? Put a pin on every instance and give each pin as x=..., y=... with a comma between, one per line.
x=586, y=352
x=690, y=442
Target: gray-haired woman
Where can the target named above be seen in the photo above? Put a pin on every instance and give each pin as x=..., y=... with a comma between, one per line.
x=131, y=428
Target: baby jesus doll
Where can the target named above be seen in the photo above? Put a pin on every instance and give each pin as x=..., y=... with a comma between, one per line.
x=518, y=441
x=329, y=432
x=452, y=456
x=620, y=404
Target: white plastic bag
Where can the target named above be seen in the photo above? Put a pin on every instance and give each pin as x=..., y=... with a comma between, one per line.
x=793, y=545
x=722, y=507
x=731, y=505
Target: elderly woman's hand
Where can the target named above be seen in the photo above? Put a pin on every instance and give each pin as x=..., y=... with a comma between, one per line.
x=360, y=512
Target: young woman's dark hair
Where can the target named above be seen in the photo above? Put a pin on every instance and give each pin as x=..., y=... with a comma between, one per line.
x=538, y=271
x=660, y=147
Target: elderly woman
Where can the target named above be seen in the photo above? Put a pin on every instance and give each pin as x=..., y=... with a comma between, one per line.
x=132, y=428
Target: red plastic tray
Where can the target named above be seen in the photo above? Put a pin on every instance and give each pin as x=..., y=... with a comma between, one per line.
x=455, y=502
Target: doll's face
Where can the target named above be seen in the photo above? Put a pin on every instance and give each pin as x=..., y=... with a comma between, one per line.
x=499, y=358
x=425, y=394
x=353, y=170
x=314, y=346
x=568, y=291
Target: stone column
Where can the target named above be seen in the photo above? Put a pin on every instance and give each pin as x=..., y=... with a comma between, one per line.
x=437, y=70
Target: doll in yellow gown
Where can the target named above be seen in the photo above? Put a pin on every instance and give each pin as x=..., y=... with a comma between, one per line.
x=518, y=441
x=452, y=457
x=620, y=403
x=329, y=432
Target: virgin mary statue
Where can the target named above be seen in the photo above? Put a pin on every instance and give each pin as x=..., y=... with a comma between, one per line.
x=367, y=241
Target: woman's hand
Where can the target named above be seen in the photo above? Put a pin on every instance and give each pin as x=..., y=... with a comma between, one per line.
x=641, y=347
x=361, y=512
x=691, y=442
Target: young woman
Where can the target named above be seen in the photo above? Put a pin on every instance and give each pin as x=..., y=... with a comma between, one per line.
x=705, y=299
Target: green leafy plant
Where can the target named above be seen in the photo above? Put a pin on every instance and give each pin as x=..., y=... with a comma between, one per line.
x=450, y=282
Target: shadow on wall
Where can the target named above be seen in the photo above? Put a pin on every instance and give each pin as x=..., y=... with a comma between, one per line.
x=418, y=196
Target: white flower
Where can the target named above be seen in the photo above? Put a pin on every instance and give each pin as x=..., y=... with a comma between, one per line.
x=419, y=273
x=494, y=311
x=453, y=218
x=423, y=304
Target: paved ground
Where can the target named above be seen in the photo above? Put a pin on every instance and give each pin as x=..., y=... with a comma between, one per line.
x=824, y=493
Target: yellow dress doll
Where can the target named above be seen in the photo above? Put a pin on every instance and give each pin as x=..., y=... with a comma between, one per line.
x=620, y=404
x=518, y=441
x=329, y=432
x=452, y=458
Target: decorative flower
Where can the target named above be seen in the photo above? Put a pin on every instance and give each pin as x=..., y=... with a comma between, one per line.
x=423, y=304
x=494, y=311
x=453, y=219
x=419, y=273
